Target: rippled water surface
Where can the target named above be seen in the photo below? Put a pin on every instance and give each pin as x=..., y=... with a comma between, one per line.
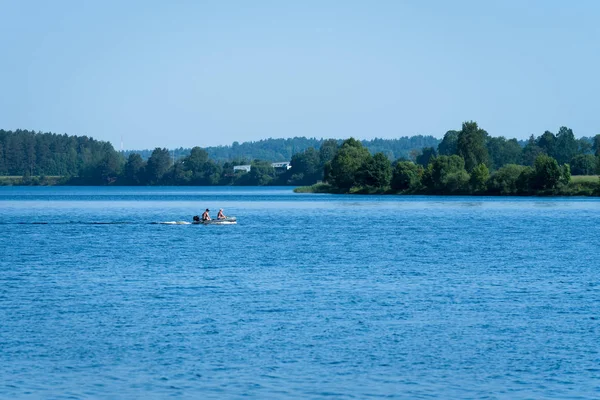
x=308, y=296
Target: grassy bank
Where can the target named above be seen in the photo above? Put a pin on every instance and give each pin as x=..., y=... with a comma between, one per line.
x=317, y=188
x=30, y=180
x=582, y=185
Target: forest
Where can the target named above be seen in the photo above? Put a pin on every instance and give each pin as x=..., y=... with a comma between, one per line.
x=471, y=162
x=466, y=161
x=27, y=157
x=275, y=150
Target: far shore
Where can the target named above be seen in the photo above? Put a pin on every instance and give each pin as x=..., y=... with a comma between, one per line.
x=580, y=186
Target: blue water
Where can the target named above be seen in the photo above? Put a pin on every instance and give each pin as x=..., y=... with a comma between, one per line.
x=308, y=296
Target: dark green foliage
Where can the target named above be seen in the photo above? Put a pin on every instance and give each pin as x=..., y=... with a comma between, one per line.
x=346, y=163
x=158, y=165
x=375, y=172
x=133, y=172
x=471, y=145
x=406, y=176
x=531, y=151
x=196, y=160
x=585, y=146
x=347, y=166
x=327, y=151
x=547, y=173
x=583, y=164
x=448, y=145
x=426, y=155
x=524, y=183
x=547, y=143
x=261, y=174
x=479, y=178
x=276, y=150
x=446, y=174
x=105, y=170
x=596, y=145
x=565, y=174
x=566, y=145
x=306, y=168
x=197, y=169
x=505, y=180
x=29, y=153
x=502, y=152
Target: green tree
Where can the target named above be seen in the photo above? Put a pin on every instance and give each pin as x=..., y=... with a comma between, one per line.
x=406, y=176
x=134, y=169
x=547, y=142
x=505, y=180
x=526, y=179
x=196, y=160
x=502, y=151
x=306, y=167
x=346, y=163
x=479, y=178
x=547, y=173
x=566, y=145
x=448, y=145
x=585, y=146
x=2, y=166
x=583, y=164
x=446, y=175
x=565, y=174
x=596, y=145
x=426, y=155
x=158, y=165
x=375, y=172
x=261, y=174
x=179, y=174
x=327, y=151
x=471, y=145
x=531, y=151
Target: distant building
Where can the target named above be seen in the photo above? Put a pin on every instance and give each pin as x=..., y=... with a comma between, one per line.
x=245, y=168
x=284, y=164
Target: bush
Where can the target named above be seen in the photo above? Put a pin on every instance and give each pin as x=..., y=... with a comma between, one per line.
x=406, y=176
x=446, y=175
x=505, y=181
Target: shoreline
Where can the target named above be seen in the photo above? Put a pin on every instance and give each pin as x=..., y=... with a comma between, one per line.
x=574, y=190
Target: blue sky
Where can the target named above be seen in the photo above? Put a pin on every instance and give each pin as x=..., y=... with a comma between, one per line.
x=185, y=73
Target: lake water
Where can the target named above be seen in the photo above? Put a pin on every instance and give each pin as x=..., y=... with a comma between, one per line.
x=308, y=296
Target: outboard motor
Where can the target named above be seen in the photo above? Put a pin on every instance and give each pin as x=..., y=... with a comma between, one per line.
x=196, y=218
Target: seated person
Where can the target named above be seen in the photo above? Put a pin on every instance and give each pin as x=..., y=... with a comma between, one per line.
x=205, y=216
x=220, y=215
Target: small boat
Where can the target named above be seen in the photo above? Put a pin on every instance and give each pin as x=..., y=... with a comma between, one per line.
x=223, y=221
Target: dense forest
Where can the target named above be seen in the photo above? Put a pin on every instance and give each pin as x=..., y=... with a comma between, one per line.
x=46, y=158
x=468, y=161
x=275, y=150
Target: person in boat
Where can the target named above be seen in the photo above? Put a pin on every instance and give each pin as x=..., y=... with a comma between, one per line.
x=205, y=215
x=220, y=215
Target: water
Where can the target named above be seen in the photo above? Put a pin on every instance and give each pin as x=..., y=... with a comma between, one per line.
x=308, y=296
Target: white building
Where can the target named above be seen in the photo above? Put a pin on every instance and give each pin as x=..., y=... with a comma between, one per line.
x=245, y=168
x=284, y=164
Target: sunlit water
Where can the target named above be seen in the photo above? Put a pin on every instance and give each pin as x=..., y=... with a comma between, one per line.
x=308, y=296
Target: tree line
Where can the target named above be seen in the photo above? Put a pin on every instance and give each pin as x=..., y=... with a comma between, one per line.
x=470, y=161
x=275, y=150
x=47, y=158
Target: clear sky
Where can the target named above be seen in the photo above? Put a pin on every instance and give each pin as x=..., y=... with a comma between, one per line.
x=185, y=73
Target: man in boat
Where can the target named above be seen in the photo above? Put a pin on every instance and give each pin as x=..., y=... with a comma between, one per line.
x=220, y=215
x=205, y=216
